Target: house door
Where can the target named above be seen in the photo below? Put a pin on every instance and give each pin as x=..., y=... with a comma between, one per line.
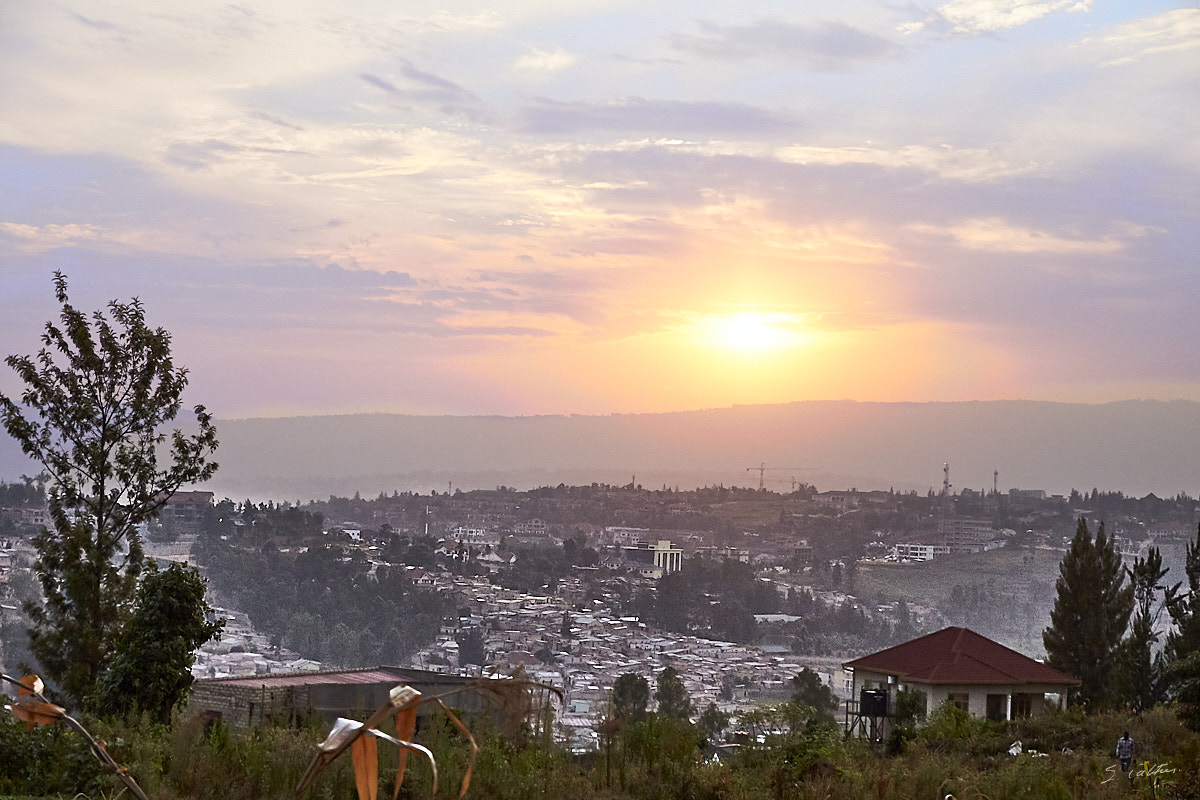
x=997, y=707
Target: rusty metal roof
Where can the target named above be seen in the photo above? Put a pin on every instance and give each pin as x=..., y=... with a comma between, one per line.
x=388, y=675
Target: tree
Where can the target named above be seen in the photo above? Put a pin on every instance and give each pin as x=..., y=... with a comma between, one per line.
x=1091, y=612
x=808, y=690
x=713, y=721
x=671, y=695
x=96, y=399
x=1141, y=672
x=151, y=667
x=630, y=695
x=1182, y=651
x=472, y=648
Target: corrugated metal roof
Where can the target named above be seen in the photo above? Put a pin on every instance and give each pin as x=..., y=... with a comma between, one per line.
x=391, y=675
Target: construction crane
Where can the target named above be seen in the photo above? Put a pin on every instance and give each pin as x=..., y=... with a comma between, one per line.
x=762, y=470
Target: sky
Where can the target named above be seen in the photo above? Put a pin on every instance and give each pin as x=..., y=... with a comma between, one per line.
x=603, y=207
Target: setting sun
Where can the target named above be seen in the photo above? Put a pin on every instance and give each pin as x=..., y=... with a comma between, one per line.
x=754, y=331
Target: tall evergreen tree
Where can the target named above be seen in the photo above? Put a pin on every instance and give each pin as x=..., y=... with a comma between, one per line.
x=671, y=695
x=1090, y=615
x=1141, y=668
x=97, y=398
x=1182, y=652
x=630, y=694
x=1184, y=608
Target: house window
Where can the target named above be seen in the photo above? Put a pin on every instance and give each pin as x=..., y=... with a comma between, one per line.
x=962, y=700
x=1022, y=705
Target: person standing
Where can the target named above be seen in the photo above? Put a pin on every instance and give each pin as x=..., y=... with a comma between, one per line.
x=1125, y=751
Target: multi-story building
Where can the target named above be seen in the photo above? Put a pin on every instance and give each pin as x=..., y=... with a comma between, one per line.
x=966, y=535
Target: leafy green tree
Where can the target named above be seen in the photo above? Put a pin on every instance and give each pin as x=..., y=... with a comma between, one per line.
x=713, y=721
x=96, y=399
x=630, y=695
x=1090, y=615
x=671, y=695
x=808, y=690
x=151, y=668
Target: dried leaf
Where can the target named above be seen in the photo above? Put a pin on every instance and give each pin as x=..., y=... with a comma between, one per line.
x=406, y=727
x=30, y=684
x=33, y=712
x=366, y=767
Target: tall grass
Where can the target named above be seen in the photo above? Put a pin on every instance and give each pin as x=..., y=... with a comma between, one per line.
x=966, y=758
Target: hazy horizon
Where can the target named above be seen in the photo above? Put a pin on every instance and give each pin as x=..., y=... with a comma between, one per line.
x=1135, y=446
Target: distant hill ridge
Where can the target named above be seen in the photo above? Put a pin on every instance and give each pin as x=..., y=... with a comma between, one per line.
x=1136, y=446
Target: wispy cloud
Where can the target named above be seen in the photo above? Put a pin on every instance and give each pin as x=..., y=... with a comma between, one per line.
x=410, y=84
x=983, y=16
x=662, y=117
x=996, y=235
x=1170, y=32
x=538, y=62
x=820, y=46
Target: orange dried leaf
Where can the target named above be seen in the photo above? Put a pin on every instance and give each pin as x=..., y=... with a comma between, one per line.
x=34, y=712
x=406, y=727
x=366, y=767
x=30, y=684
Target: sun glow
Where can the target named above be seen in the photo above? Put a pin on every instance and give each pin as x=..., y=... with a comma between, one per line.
x=754, y=332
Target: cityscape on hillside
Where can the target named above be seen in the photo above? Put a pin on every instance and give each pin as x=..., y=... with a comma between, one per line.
x=737, y=589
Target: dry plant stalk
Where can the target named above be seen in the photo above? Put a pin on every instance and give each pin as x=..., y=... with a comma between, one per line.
x=359, y=738
x=511, y=695
x=32, y=708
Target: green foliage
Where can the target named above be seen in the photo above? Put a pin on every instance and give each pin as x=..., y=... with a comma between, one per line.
x=1182, y=651
x=671, y=695
x=808, y=690
x=303, y=598
x=717, y=599
x=471, y=646
x=45, y=761
x=1141, y=674
x=713, y=721
x=1183, y=674
x=660, y=761
x=1090, y=615
x=910, y=706
x=948, y=721
x=95, y=400
x=630, y=696
x=151, y=668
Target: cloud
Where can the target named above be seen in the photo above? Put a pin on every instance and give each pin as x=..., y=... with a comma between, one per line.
x=1130, y=42
x=819, y=46
x=420, y=86
x=995, y=235
x=983, y=16
x=39, y=239
x=544, y=62
x=659, y=117
x=959, y=164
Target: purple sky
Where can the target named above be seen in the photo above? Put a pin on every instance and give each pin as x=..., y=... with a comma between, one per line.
x=547, y=207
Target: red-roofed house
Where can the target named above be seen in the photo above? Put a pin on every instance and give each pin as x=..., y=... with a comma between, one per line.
x=982, y=677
